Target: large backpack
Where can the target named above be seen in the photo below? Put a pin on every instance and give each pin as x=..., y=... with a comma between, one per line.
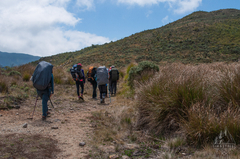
x=76, y=72
x=102, y=75
x=42, y=75
x=115, y=74
x=91, y=73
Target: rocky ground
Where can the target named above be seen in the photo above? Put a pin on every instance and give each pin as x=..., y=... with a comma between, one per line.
x=69, y=124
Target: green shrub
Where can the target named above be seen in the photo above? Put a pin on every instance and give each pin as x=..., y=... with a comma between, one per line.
x=13, y=73
x=3, y=87
x=128, y=69
x=142, y=72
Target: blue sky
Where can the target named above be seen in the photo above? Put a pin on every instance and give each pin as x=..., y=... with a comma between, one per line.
x=48, y=27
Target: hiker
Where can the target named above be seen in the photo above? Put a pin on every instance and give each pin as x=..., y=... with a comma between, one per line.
x=80, y=80
x=113, y=79
x=92, y=78
x=43, y=81
x=102, y=81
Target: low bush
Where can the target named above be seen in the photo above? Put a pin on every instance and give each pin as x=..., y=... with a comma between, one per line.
x=26, y=77
x=127, y=72
x=14, y=73
x=142, y=72
x=3, y=87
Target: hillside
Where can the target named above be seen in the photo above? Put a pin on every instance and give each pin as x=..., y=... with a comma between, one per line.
x=201, y=37
x=15, y=59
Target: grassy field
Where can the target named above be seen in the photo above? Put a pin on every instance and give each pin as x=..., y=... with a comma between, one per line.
x=200, y=37
x=176, y=111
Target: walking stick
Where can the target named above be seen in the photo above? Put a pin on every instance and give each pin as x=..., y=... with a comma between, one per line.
x=109, y=93
x=34, y=108
x=51, y=102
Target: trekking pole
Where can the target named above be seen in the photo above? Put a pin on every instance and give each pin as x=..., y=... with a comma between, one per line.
x=109, y=93
x=34, y=108
x=51, y=102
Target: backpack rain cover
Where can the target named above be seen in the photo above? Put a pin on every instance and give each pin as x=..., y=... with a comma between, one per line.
x=102, y=75
x=42, y=75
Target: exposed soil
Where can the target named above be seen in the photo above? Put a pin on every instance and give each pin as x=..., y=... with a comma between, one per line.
x=68, y=125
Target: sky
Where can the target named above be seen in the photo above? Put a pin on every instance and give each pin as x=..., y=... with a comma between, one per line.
x=49, y=27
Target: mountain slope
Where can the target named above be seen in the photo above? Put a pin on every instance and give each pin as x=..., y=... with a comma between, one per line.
x=197, y=38
x=16, y=59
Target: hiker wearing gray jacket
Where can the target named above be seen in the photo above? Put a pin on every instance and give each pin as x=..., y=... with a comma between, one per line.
x=102, y=81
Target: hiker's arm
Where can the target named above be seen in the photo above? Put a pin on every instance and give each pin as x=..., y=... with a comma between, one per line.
x=83, y=76
x=52, y=85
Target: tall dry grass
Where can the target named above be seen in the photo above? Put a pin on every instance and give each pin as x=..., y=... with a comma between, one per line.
x=200, y=100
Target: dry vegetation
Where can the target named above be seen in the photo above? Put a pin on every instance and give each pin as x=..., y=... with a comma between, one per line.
x=177, y=112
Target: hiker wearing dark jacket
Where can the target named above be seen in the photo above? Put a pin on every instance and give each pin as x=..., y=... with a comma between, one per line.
x=80, y=81
x=113, y=79
x=46, y=95
x=94, y=83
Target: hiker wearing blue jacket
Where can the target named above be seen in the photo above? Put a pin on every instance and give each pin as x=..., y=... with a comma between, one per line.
x=45, y=95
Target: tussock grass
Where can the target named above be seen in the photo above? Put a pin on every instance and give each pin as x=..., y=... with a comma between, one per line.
x=204, y=124
x=199, y=100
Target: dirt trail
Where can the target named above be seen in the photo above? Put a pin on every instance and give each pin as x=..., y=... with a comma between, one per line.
x=70, y=116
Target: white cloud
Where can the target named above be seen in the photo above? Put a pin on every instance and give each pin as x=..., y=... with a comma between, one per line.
x=87, y=4
x=179, y=6
x=187, y=6
x=37, y=27
x=165, y=20
x=149, y=13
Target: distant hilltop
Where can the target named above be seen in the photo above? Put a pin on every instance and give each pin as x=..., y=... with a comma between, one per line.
x=200, y=37
x=16, y=59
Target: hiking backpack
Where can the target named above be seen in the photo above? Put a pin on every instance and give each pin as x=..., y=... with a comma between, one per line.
x=91, y=73
x=115, y=74
x=102, y=75
x=42, y=75
x=76, y=72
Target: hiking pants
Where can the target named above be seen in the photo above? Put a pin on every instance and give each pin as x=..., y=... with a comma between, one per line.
x=82, y=87
x=94, y=84
x=45, y=97
x=103, y=91
x=113, y=87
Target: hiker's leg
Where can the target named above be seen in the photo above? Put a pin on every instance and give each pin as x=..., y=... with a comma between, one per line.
x=77, y=84
x=114, y=87
x=100, y=90
x=104, y=90
x=82, y=87
x=44, y=104
x=94, y=84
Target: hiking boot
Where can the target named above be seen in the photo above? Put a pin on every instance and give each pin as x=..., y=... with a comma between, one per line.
x=48, y=113
x=103, y=100
x=44, y=118
x=81, y=96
